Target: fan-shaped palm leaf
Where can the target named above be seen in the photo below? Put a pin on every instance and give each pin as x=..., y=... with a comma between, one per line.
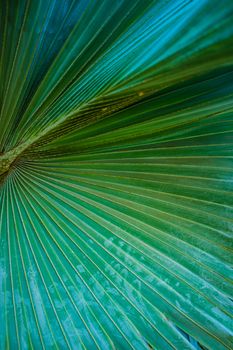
x=116, y=137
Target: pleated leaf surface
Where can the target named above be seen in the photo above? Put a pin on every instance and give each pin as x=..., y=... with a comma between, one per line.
x=116, y=186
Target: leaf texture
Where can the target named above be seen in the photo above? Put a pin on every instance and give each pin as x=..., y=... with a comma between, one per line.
x=116, y=202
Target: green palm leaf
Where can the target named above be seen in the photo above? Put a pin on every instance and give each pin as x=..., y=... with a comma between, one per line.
x=116, y=186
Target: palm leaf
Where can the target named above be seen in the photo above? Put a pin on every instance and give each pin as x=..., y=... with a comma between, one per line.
x=116, y=175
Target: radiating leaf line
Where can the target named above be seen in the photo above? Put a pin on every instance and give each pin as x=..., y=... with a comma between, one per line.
x=197, y=262
x=48, y=297
x=58, y=275
x=107, y=196
x=115, y=175
x=20, y=284
x=69, y=261
x=39, y=42
x=134, y=306
x=22, y=259
x=10, y=266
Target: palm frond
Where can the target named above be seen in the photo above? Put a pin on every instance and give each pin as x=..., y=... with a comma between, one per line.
x=116, y=138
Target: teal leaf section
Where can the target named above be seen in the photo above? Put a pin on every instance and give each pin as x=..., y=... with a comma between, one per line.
x=116, y=186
